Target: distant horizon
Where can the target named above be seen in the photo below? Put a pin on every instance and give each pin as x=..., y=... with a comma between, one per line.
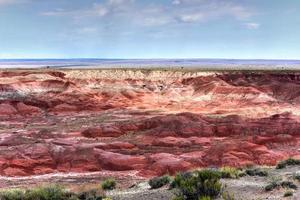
x=91, y=58
x=204, y=64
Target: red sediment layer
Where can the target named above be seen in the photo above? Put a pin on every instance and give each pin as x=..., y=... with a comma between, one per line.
x=155, y=122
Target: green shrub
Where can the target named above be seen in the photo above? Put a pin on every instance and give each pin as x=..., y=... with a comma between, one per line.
x=256, y=172
x=274, y=183
x=40, y=193
x=204, y=183
x=90, y=195
x=46, y=193
x=296, y=177
x=13, y=194
x=229, y=172
x=288, y=162
x=270, y=187
x=227, y=196
x=108, y=184
x=288, y=193
x=178, y=198
x=205, y=198
x=288, y=184
x=158, y=182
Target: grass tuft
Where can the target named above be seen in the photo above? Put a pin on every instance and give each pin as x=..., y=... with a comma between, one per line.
x=159, y=182
x=229, y=172
x=288, y=193
x=108, y=184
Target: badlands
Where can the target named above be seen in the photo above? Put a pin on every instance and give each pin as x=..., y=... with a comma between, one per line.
x=143, y=122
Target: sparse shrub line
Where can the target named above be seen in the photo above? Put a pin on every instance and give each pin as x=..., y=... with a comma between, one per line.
x=289, y=162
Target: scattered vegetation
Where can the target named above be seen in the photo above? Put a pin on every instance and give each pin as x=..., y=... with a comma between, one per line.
x=203, y=184
x=229, y=172
x=288, y=193
x=276, y=182
x=296, y=177
x=90, y=195
x=159, y=182
x=288, y=162
x=256, y=172
x=205, y=198
x=108, y=184
x=288, y=184
x=227, y=196
x=47, y=193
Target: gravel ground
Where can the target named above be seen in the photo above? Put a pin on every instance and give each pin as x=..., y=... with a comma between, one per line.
x=141, y=191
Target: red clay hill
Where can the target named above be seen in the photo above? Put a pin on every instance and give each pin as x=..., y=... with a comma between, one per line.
x=152, y=121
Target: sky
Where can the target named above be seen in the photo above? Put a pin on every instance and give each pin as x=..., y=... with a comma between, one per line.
x=241, y=29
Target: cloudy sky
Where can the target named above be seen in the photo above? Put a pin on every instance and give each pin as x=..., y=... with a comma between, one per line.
x=150, y=29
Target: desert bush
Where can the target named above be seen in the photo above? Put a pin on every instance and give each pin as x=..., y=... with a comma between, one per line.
x=205, y=198
x=256, y=172
x=288, y=193
x=40, y=193
x=227, y=196
x=46, y=193
x=159, y=182
x=13, y=194
x=178, y=198
x=296, y=177
x=229, y=172
x=288, y=184
x=90, y=195
x=53, y=192
x=199, y=184
x=288, y=162
x=108, y=184
x=274, y=183
x=270, y=187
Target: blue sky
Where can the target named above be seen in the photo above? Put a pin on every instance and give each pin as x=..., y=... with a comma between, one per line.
x=250, y=29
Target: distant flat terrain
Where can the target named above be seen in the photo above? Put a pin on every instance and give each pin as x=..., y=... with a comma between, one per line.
x=204, y=64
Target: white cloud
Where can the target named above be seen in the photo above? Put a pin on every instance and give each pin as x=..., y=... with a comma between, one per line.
x=157, y=14
x=96, y=10
x=252, y=25
x=190, y=18
x=176, y=2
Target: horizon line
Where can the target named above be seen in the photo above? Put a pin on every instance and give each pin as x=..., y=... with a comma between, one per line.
x=93, y=58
